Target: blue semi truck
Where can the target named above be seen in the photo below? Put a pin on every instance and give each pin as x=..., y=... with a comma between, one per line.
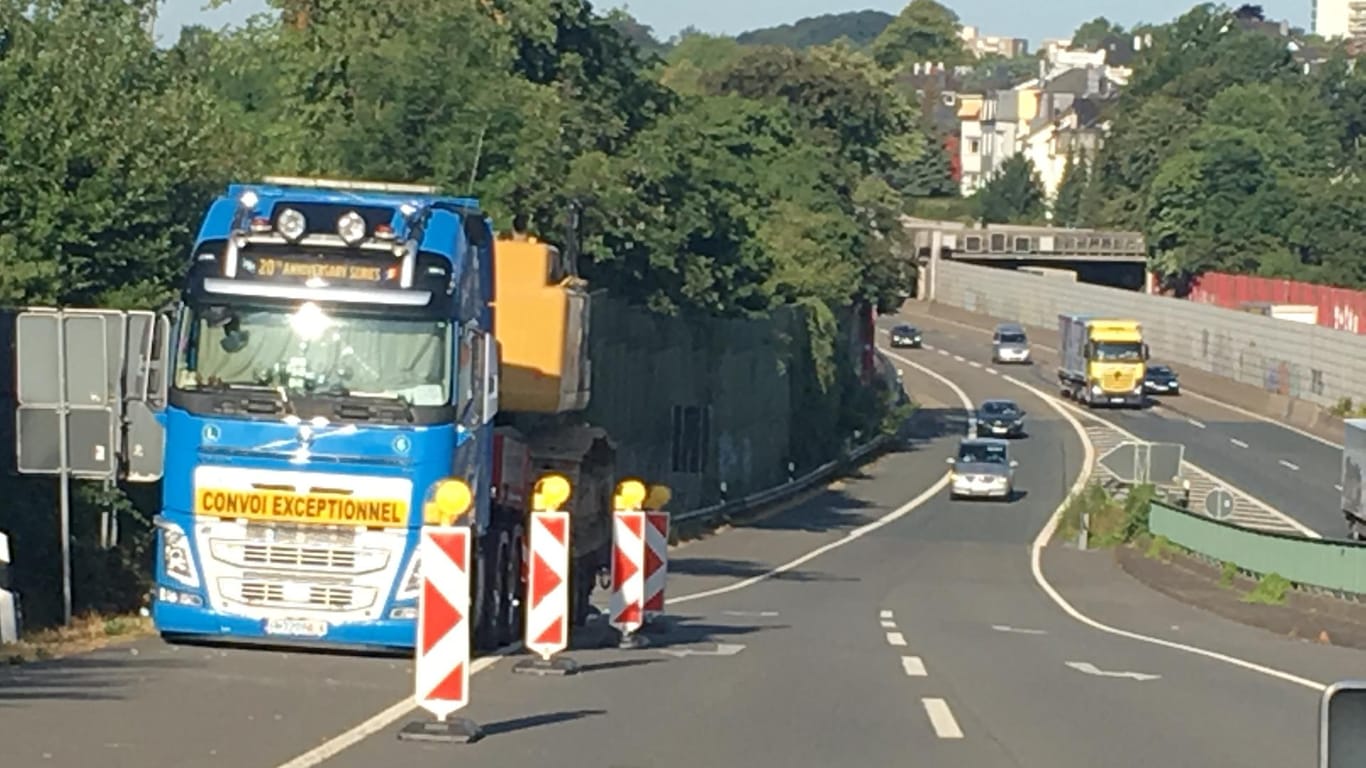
x=351, y=361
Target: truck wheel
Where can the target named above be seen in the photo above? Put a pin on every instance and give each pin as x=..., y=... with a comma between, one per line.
x=513, y=620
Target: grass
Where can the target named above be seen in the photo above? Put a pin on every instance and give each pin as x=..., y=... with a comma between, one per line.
x=1110, y=521
x=1269, y=591
x=86, y=633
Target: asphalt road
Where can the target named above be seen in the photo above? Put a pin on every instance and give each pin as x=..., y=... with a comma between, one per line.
x=1293, y=473
x=923, y=641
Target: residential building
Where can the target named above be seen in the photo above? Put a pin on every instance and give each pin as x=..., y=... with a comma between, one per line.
x=1331, y=18
x=982, y=45
x=1046, y=119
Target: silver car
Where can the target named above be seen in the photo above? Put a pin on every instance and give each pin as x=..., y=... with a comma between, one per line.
x=983, y=469
x=1009, y=344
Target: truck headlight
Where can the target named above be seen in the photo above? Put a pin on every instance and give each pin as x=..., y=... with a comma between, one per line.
x=1096, y=389
x=175, y=555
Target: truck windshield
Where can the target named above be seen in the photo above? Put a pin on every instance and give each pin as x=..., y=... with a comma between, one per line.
x=1119, y=351
x=309, y=349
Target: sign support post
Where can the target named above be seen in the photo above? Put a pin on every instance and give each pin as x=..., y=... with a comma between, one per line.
x=547, y=587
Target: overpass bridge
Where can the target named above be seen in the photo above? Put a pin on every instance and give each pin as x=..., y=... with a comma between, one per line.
x=1105, y=257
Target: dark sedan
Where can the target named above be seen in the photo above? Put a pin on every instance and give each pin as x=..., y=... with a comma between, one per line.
x=1161, y=380
x=906, y=336
x=1000, y=418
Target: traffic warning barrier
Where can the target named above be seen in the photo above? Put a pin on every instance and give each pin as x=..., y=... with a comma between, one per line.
x=442, y=663
x=627, y=605
x=656, y=551
x=547, y=592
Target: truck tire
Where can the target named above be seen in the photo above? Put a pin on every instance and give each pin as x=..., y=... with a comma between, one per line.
x=512, y=621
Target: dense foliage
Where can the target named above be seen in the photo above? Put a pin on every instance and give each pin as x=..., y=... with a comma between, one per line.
x=725, y=185
x=1236, y=149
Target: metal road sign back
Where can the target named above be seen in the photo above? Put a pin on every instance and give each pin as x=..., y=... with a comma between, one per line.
x=94, y=371
x=1219, y=504
x=1137, y=462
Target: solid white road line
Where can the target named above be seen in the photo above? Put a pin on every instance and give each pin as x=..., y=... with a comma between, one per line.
x=381, y=720
x=1288, y=465
x=1237, y=442
x=941, y=719
x=1046, y=535
x=913, y=666
x=897, y=639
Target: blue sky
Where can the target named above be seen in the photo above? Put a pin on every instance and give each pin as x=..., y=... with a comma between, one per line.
x=1032, y=19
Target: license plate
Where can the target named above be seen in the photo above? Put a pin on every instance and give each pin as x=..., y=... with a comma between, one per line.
x=1116, y=399
x=296, y=627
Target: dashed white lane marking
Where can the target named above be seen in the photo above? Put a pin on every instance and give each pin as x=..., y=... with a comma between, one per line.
x=1337, y=488
x=914, y=666
x=992, y=371
x=885, y=615
x=1196, y=424
x=888, y=624
x=974, y=364
x=1288, y=465
x=959, y=358
x=941, y=719
x=943, y=352
x=1237, y=442
x=896, y=638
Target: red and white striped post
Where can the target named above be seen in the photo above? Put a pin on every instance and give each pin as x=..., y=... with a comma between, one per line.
x=626, y=609
x=547, y=590
x=442, y=662
x=656, y=553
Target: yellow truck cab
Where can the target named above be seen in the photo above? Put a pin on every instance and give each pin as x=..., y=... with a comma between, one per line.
x=1102, y=360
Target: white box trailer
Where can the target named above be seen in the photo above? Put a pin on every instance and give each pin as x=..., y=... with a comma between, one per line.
x=1353, y=464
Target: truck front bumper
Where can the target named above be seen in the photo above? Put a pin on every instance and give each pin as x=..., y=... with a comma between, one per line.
x=198, y=622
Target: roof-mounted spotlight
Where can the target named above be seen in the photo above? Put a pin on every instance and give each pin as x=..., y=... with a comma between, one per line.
x=351, y=228
x=292, y=224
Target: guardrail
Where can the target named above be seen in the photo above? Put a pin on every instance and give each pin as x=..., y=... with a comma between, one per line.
x=1339, y=566
x=720, y=513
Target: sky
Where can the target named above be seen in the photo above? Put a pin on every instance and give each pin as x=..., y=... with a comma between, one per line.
x=1031, y=19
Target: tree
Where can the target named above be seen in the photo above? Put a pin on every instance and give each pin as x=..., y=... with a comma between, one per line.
x=1014, y=195
x=923, y=31
x=860, y=28
x=1091, y=34
x=1071, y=191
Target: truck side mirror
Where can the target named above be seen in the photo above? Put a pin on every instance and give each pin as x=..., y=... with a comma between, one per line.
x=1146, y=354
x=1342, y=725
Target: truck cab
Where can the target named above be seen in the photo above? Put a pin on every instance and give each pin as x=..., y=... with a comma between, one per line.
x=1102, y=360
x=333, y=389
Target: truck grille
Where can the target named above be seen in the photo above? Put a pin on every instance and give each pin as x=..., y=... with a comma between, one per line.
x=278, y=594
x=327, y=559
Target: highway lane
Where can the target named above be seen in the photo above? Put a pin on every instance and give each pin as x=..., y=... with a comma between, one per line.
x=998, y=650
x=150, y=705
x=924, y=641
x=1285, y=469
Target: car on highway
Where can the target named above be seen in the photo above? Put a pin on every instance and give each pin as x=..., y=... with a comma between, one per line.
x=1000, y=417
x=1009, y=344
x=983, y=469
x=1161, y=380
x=906, y=336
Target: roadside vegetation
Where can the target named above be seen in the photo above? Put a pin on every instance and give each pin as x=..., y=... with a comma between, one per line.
x=1122, y=521
x=86, y=632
